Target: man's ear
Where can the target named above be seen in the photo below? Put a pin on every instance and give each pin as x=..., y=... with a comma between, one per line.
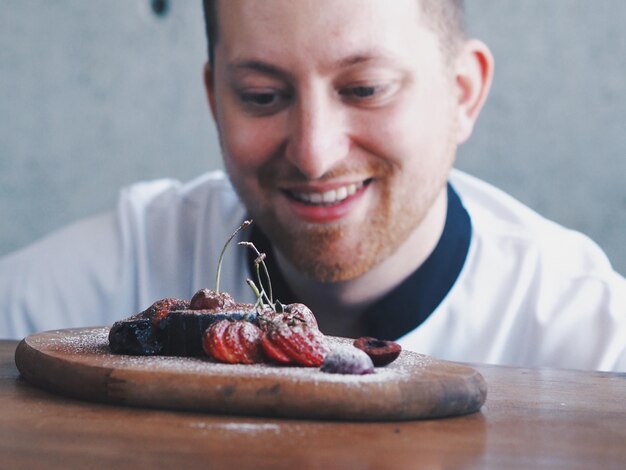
x=474, y=73
x=209, y=86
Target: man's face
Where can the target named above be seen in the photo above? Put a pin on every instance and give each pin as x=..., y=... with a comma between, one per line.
x=337, y=124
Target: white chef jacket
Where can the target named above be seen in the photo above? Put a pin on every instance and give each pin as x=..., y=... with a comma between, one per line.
x=528, y=292
x=531, y=293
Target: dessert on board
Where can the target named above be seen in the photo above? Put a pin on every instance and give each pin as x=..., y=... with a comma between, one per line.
x=214, y=324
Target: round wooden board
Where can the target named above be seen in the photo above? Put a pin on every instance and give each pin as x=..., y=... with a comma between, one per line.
x=78, y=363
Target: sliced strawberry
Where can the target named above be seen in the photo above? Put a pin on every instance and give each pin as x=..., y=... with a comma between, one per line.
x=250, y=341
x=233, y=342
x=304, y=345
x=207, y=342
x=273, y=352
x=232, y=346
x=213, y=341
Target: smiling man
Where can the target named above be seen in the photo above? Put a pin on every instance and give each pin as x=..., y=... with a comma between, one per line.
x=339, y=122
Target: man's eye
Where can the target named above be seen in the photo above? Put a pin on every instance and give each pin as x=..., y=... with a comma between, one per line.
x=263, y=101
x=359, y=92
x=369, y=95
x=259, y=99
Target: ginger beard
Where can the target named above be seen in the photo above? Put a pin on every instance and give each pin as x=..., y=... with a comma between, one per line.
x=337, y=251
x=345, y=250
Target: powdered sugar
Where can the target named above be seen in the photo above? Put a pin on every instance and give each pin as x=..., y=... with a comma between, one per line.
x=239, y=427
x=86, y=344
x=87, y=341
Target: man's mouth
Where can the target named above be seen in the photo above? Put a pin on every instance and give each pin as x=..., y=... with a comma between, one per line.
x=328, y=197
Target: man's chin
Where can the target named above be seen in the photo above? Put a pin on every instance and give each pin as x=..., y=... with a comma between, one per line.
x=326, y=259
x=327, y=272
x=325, y=252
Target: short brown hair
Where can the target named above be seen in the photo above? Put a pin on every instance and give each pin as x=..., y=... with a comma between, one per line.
x=444, y=17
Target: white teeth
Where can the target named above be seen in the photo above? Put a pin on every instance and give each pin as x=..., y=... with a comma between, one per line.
x=313, y=197
x=342, y=193
x=329, y=197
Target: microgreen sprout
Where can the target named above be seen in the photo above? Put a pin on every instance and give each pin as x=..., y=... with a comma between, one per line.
x=257, y=293
x=245, y=224
x=258, y=262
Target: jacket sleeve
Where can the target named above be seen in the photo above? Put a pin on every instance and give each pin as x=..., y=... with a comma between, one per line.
x=74, y=277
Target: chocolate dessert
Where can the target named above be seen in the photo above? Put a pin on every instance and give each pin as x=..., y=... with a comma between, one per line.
x=172, y=327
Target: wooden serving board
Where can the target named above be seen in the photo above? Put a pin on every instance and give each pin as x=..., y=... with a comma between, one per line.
x=78, y=363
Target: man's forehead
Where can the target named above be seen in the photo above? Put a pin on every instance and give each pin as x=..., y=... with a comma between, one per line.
x=314, y=15
x=350, y=30
x=295, y=5
x=373, y=57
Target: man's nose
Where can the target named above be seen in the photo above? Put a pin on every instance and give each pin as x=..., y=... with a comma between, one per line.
x=318, y=138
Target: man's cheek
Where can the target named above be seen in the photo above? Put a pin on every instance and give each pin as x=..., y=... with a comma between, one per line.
x=249, y=146
x=239, y=154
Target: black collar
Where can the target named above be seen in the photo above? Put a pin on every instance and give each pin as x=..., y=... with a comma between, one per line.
x=411, y=303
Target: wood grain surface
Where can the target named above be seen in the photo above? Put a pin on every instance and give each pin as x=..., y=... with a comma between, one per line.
x=77, y=363
x=533, y=418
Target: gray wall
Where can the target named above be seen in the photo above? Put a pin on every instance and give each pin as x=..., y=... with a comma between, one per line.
x=553, y=132
x=96, y=95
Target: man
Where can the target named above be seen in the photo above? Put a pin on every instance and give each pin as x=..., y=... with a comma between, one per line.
x=339, y=122
x=297, y=130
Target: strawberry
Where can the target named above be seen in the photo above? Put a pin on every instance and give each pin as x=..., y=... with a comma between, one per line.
x=299, y=313
x=273, y=352
x=233, y=342
x=213, y=341
x=230, y=340
x=303, y=344
x=248, y=349
x=291, y=315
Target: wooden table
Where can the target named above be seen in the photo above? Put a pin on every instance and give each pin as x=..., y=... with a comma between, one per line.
x=533, y=418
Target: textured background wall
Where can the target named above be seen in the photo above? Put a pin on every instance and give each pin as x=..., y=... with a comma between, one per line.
x=553, y=133
x=96, y=95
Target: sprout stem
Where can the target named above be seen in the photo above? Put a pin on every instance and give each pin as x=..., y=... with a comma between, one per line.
x=260, y=261
x=259, y=295
x=254, y=288
x=245, y=224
